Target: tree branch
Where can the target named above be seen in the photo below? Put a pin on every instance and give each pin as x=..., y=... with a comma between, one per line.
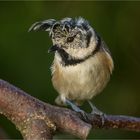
x=115, y=121
x=38, y=120
x=25, y=112
x=3, y=134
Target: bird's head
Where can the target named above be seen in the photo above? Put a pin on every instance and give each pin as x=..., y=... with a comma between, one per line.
x=74, y=37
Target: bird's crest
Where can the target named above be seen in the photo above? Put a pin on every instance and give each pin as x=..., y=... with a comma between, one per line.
x=66, y=24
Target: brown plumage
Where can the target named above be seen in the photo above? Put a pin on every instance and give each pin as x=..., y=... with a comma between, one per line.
x=82, y=63
x=82, y=81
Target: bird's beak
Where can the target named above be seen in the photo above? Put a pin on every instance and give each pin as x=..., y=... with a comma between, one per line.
x=53, y=48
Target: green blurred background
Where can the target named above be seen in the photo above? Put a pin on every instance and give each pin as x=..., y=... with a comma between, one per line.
x=24, y=60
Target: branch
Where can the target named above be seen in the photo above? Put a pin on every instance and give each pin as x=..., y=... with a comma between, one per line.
x=38, y=120
x=3, y=134
x=27, y=113
x=115, y=121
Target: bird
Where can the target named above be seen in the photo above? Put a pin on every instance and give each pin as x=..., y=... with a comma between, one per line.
x=82, y=63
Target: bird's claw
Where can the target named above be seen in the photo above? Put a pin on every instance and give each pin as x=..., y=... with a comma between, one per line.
x=96, y=111
x=82, y=113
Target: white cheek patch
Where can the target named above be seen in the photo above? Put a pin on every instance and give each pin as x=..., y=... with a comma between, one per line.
x=81, y=52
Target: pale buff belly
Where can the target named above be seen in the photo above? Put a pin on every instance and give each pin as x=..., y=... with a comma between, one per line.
x=82, y=81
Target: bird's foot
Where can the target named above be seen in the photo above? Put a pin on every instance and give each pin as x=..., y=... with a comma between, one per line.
x=82, y=113
x=96, y=111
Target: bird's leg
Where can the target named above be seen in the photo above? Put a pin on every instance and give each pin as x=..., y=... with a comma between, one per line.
x=77, y=109
x=96, y=111
x=73, y=106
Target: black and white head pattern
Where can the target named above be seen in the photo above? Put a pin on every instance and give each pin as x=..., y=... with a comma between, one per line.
x=74, y=39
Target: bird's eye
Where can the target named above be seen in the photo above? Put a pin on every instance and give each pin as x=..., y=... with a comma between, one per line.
x=70, y=39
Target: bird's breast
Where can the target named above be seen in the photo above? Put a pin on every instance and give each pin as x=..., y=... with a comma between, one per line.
x=81, y=81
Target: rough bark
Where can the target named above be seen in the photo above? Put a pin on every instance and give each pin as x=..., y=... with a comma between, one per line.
x=38, y=120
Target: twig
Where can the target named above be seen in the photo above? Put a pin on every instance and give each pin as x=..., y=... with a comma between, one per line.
x=38, y=120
